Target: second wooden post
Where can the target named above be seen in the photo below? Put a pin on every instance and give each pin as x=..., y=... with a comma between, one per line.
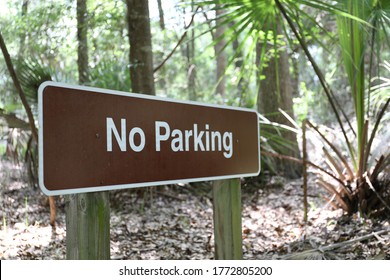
x=227, y=219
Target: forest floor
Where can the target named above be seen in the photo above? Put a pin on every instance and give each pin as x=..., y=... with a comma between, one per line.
x=175, y=222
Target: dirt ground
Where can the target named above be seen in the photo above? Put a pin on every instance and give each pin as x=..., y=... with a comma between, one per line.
x=175, y=222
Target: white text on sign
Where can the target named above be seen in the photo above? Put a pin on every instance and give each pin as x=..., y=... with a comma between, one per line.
x=194, y=139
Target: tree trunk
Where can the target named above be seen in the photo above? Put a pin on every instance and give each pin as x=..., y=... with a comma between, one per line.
x=161, y=15
x=87, y=214
x=140, y=39
x=220, y=54
x=82, y=31
x=23, y=36
x=275, y=92
x=191, y=73
x=160, y=77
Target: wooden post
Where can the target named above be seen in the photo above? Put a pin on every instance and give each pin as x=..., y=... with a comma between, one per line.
x=88, y=226
x=227, y=219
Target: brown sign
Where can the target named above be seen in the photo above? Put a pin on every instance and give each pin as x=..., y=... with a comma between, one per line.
x=93, y=139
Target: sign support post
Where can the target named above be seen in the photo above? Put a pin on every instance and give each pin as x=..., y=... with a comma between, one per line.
x=227, y=219
x=88, y=226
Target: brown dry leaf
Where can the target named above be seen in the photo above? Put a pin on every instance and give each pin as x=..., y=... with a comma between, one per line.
x=175, y=222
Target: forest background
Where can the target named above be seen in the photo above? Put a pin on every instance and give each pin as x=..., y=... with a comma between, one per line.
x=322, y=61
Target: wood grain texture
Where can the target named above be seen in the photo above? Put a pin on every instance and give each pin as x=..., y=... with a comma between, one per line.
x=227, y=219
x=88, y=226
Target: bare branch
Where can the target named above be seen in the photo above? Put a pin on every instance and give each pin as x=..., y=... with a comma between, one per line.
x=178, y=43
x=19, y=89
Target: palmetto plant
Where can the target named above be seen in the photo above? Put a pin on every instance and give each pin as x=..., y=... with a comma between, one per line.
x=361, y=188
x=362, y=30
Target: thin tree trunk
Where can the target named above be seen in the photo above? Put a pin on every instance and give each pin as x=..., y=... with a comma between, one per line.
x=161, y=15
x=23, y=36
x=220, y=54
x=191, y=74
x=140, y=39
x=82, y=28
x=161, y=75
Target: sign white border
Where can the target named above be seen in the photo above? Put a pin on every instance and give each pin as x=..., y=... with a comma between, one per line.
x=133, y=185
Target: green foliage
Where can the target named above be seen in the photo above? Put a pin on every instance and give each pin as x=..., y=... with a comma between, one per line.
x=363, y=33
x=380, y=91
x=110, y=74
x=31, y=74
x=352, y=38
x=357, y=40
x=260, y=24
x=303, y=102
x=346, y=42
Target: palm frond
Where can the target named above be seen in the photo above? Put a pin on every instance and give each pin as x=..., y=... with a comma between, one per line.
x=32, y=73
